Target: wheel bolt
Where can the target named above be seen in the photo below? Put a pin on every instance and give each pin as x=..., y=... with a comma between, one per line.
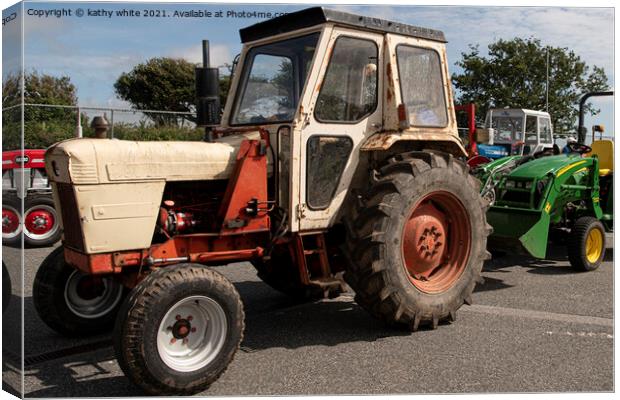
x=193, y=329
x=185, y=340
x=189, y=318
x=173, y=341
x=178, y=317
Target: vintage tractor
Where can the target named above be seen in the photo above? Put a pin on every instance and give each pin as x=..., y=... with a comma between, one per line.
x=568, y=195
x=337, y=152
x=24, y=177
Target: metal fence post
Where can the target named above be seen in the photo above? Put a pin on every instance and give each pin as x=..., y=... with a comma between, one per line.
x=112, y=123
x=78, y=128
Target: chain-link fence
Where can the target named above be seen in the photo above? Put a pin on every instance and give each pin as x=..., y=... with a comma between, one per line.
x=45, y=124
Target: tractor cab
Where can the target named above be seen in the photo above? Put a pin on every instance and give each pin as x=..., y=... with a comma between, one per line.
x=517, y=131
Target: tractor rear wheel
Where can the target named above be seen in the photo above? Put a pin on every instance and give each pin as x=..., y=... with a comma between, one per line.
x=178, y=330
x=11, y=220
x=586, y=244
x=71, y=302
x=419, y=242
x=41, y=221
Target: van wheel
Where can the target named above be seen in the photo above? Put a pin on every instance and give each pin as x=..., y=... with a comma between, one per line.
x=419, y=240
x=178, y=330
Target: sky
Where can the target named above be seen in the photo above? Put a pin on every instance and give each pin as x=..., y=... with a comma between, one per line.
x=93, y=50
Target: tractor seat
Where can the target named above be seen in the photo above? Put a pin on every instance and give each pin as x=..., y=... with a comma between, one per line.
x=604, y=150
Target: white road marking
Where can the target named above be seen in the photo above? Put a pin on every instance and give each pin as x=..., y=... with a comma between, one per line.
x=543, y=315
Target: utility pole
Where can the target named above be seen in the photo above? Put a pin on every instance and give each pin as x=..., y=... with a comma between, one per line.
x=547, y=83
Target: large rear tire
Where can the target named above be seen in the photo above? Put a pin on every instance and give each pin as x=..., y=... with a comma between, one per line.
x=586, y=244
x=71, y=302
x=41, y=221
x=419, y=240
x=178, y=330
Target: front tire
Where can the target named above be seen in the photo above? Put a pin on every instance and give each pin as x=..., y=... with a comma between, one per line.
x=586, y=244
x=419, y=243
x=71, y=302
x=178, y=330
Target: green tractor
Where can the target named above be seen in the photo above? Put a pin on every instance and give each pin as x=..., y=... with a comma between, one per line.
x=535, y=195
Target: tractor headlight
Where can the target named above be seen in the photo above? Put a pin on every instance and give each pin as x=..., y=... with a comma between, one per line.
x=510, y=184
x=528, y=184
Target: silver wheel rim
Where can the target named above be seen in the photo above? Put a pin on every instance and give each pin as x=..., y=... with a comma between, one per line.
x=17, y=231
x=97, y=306
x=48, y=234
x=206, y=325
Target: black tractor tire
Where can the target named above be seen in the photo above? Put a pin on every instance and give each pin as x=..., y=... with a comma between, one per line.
x=577, y=244
x=14, y=204
x=139, y=331
x=280, y=272
x=377, y=271
x=53, y=235
x=7, y=289
x=73, y=303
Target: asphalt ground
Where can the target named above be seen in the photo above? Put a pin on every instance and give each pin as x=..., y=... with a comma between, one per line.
x=535, y=326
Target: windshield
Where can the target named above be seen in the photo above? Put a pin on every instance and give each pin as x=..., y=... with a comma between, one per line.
x=507, y=129
x=272, y=81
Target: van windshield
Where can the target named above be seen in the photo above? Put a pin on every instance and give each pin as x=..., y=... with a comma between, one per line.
x=272, y=80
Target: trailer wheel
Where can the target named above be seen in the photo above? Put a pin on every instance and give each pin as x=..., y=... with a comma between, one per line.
x=586, y=244
x=419, y=240
x=7, y=290
x=11, y=220
x=178, y=330
x=71, y=302
x=41, y=221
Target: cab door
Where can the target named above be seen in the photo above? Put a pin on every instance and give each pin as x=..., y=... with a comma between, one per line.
x=344, y=109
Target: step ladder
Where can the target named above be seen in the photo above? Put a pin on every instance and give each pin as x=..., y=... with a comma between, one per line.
x=310, y=252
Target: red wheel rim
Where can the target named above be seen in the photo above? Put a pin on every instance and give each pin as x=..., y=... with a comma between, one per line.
x=436, y=242
x=10, y=221
x=39, y=221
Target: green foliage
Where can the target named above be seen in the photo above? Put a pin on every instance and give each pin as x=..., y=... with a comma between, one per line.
x=514, y=74
x=164, y=83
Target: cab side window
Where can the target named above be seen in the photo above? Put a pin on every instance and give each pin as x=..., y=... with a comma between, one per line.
x=545, y=130
x=349, y=90
x=421, y=85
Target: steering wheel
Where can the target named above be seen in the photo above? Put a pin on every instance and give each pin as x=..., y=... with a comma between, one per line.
x=579, y=148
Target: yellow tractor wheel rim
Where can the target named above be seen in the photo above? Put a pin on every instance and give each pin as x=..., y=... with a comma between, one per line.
x=594, y=245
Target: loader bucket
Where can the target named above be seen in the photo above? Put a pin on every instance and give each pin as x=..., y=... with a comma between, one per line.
x=519, y=230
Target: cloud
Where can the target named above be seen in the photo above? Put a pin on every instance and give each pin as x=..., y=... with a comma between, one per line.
x=219, y=54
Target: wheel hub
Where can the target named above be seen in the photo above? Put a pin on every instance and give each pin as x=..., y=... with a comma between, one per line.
x=10, y=221
x=436, y=241
x=182, y=328
x=39, y=221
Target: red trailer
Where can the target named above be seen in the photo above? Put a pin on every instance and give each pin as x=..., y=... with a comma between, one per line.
x=24, y=178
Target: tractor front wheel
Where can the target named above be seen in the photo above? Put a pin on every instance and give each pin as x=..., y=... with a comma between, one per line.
x=71, y=302
x=586, y=244
x=419, y=242
x=178, y=330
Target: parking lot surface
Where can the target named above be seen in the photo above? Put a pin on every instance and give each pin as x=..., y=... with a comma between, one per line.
x=535, y=326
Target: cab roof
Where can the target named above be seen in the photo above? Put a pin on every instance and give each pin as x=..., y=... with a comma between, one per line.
x=319, y=15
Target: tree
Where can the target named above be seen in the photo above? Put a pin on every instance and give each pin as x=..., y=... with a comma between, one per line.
x=160, y=84
x=40, y=89
x=42, y=125
x=514, y=74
